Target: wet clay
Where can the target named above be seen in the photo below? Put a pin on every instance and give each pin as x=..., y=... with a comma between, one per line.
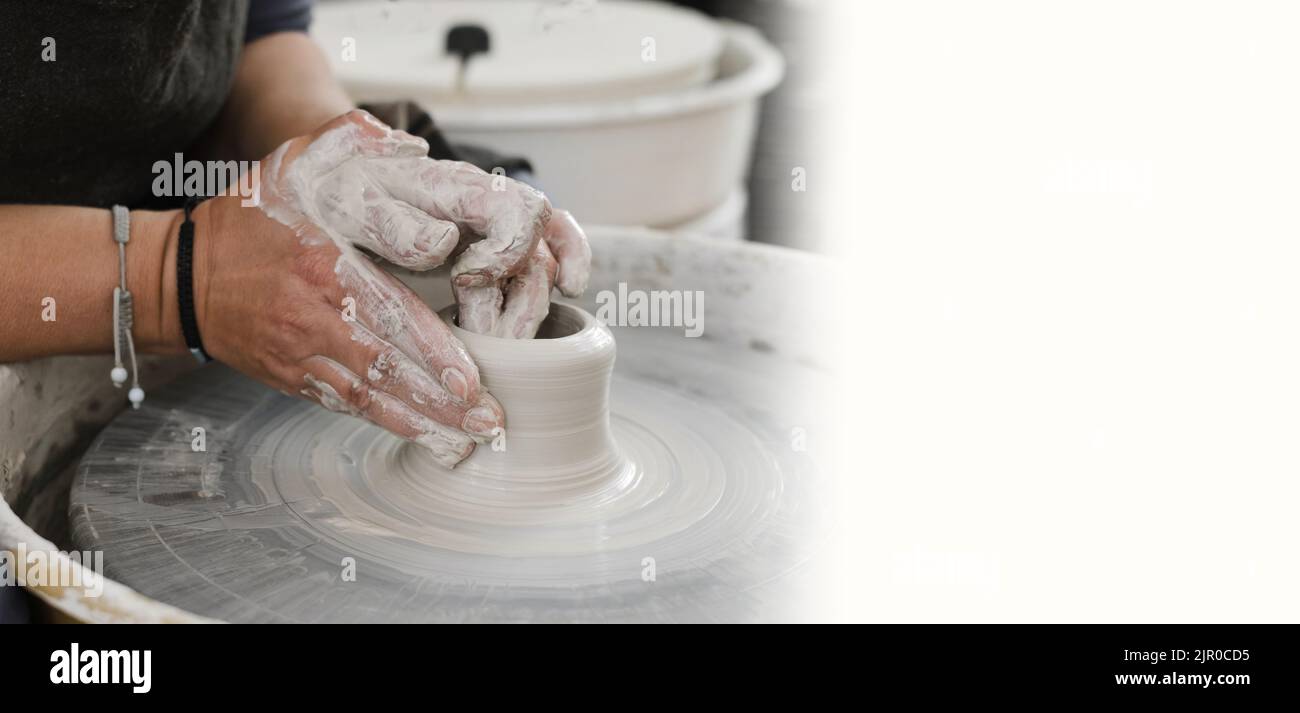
x=561, y=480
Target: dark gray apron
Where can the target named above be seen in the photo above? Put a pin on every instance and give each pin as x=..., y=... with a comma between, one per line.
x=133, y=82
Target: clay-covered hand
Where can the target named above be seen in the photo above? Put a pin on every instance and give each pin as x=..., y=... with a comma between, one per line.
x=503, y=285
x=283, y=296
x=375, y=187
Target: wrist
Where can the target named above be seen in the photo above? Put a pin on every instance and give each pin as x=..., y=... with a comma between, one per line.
x=151, y=277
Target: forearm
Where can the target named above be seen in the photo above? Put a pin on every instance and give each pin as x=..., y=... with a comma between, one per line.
x=283, y=88
x=67, y=254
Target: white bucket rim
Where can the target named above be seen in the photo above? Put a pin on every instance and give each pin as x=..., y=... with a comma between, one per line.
x=764, y=70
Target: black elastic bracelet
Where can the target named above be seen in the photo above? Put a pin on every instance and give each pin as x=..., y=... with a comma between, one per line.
x=185, y=285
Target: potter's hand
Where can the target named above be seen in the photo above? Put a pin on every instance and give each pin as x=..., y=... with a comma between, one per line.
x=376, y=188
x=516, y=248
x=512, y=301
x=283, y=296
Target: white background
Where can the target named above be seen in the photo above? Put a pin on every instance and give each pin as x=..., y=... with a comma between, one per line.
x=1070, y=303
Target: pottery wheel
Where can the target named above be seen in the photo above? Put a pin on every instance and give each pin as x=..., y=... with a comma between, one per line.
x=297, y=514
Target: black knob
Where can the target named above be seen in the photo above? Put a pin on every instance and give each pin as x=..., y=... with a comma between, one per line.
x=467, y=41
